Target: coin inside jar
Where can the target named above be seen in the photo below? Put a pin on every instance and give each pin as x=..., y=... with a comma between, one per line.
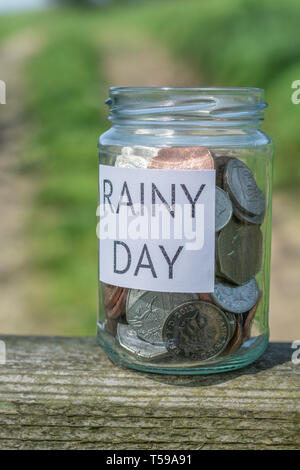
x=232, y=321
x=237, y=339
x=236, y=299
x=111, y=295
x=205, y=296
x=196, y=330
x=223, y=209
x=183, y=158
x=255, y=219
x=239, y=251
x=220, y=163
x=117, y=310
x=147, y=313
x=131, y=161
x=129, y=340
x=242, y=188
x=135, y=157
x=133, y=296
x=249, y=319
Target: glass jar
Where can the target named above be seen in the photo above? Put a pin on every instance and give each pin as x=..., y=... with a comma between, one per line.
x=185, y=187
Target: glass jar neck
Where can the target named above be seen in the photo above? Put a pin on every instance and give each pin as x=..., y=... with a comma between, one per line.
x=211, y=109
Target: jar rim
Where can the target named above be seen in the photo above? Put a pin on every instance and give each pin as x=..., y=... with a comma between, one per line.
x=253, y=92
x=133, y=104
x=183, y=88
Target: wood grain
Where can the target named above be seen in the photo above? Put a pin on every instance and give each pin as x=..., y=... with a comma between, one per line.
x=63, y=393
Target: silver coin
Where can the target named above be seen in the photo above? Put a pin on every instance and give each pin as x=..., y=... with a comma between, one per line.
x=221, y=162
x=223, y=209
x=148, y=152
x=232, y=322
x=255, y=219
x=129, y=340
x=242, y=188
x=197, y=330
x=237, y=339
x=217, y=262
x=239, y=251
x=131, y=161
x=136, y=157
x=236, y=299
x=127, y=151
x=148, y=313
x=132, y=296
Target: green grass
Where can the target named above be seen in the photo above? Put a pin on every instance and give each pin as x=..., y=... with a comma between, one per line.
x=64, y=111
x=10, y=24
x=233, y=43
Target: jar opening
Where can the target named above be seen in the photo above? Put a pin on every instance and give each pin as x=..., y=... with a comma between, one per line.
x=185, y=105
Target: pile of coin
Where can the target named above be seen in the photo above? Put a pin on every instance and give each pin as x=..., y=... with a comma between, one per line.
x=200, y=326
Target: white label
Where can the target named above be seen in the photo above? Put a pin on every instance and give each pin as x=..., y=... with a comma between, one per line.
x=157, y=229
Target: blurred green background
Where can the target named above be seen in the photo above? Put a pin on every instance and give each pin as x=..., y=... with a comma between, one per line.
x=65, y=81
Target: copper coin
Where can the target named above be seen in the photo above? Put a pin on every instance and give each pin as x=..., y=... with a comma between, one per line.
x=205, y=297
x=111, y=295
x=249, y=319
x=119, y=307
x=237, y=339
x=110, y=325
x=183, y=158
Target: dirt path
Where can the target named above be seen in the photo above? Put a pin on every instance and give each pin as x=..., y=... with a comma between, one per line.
x=16, y=189
x=285, y=269
x=138, y=61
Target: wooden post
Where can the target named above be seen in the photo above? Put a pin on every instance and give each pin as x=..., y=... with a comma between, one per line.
x=63, y=393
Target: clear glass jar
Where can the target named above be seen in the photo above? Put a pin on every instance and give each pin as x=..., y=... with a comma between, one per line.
x=166, y=136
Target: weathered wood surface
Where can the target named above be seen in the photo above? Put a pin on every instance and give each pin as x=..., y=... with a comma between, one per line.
x=63, y=393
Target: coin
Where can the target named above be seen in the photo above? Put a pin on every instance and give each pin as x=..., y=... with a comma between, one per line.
x=196, y=330
x=249, y=319
x=133, y=296
x=223, y=209
x=110, y=295
x=131, y=161
x=118, y=309
x=129, y=340
x=255, y=219
x=110, y=325
x=231, y=317
x=242, y=188
x=237, y=339
x=239, y=251
x=183, y=158
x=127, y=151
x=236, y=299
x=232, y=321
x=220, y=163
x=205, y=297
x=217, y=262
x=135, y=157
x=148, y=313
x=148, y=152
